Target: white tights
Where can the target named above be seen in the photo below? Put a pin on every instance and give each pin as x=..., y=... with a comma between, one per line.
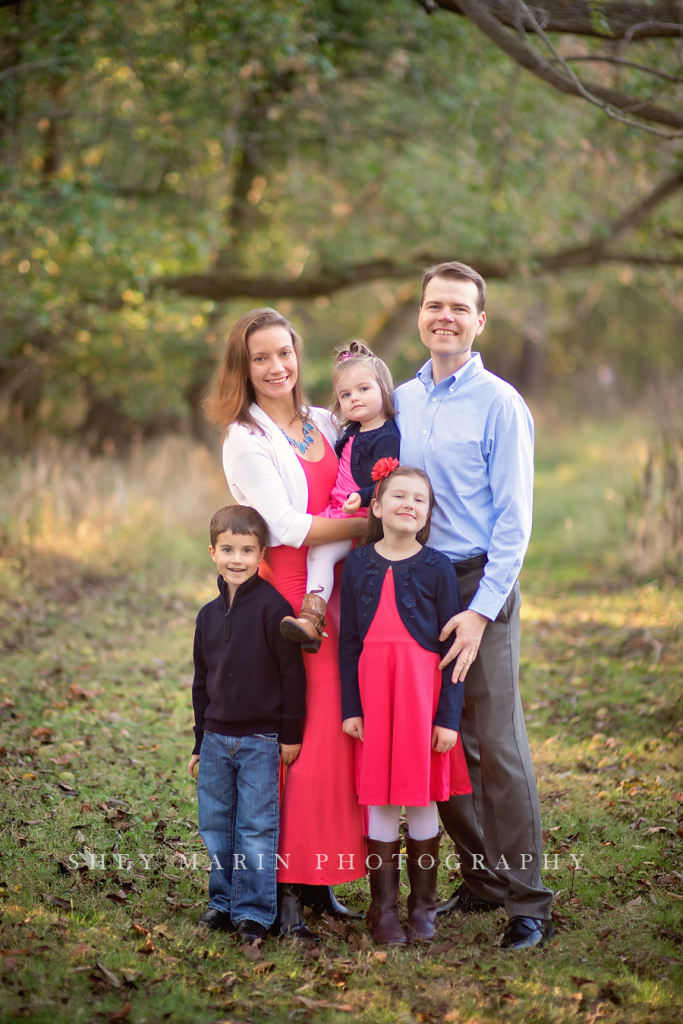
x=320, y=563
x=423, y=822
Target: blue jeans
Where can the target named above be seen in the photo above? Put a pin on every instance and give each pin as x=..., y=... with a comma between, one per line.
x=239, y=821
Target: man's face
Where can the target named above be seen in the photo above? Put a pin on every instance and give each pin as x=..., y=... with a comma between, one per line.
x=448, y=320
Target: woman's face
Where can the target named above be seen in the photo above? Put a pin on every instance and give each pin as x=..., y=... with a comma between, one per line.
x=273, y=366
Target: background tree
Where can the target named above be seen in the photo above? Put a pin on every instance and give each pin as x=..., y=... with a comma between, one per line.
x=167, y=164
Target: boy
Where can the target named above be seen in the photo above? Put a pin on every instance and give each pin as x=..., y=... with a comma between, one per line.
x=249, y=695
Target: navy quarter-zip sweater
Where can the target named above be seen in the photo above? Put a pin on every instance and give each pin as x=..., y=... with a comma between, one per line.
x=368, y=447
x=247, y=678
x=427, y=596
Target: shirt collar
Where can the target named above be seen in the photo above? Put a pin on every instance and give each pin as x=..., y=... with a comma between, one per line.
x=470, y=368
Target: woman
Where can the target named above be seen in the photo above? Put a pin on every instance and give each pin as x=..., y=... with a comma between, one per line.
x=278, y=457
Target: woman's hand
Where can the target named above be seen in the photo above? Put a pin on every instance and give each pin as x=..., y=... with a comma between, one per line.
x=193, y=761
x=443, y=739
x=354, y=727
x=352, y=503
x=289, y=752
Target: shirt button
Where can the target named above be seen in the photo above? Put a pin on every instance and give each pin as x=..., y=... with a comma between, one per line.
x=433, y=399
x=424, y=432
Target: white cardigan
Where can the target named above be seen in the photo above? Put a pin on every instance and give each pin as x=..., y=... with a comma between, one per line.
x=263, y=471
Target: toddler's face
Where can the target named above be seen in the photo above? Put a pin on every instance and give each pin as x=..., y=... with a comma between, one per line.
x=237, y=556
x=359, y=394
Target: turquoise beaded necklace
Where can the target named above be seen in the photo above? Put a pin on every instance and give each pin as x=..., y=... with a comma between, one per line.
x=308, y=440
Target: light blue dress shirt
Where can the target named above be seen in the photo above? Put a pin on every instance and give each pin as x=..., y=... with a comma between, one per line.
x=474, y=437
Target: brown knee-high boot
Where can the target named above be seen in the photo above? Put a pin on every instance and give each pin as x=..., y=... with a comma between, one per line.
x=382, y=917
x=423, y=868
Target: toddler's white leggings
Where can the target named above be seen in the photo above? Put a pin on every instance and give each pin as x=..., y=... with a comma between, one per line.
x=423, y=822
x=320, y=564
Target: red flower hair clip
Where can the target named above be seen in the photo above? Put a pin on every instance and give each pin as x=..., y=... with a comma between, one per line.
x=383, y=467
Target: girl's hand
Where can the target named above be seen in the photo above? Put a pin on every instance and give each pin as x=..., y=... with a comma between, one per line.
x=193, y=761
x=443, y=739
x=289, y=752
x=352, y=503
x=354, y=727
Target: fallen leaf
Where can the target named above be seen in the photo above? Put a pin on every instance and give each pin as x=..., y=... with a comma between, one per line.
x=109, y=976
x=380, y=957
x=440, y=947
x=135, y=927
x=171, y=960
x=117, y=897
x=148, y=946
x=675, y=895
x=10, y=964
x=164, y=931
x=81, y=949
x=56, y=901
x=252, y=951
x=122, y=1014
x=264, y=967
x=635, y=902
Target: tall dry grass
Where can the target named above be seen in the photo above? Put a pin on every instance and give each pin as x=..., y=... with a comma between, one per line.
x=60, y=503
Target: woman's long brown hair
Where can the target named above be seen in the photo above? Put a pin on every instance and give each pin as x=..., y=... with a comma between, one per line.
x=230, y=393
x=375, y=530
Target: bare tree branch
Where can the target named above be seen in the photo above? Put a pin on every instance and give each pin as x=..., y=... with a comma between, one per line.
x=611, y=101
x=220, y=285
x=604, y=59
x=628, y=21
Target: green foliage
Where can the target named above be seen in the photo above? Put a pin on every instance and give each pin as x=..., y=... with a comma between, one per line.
x=153, y=139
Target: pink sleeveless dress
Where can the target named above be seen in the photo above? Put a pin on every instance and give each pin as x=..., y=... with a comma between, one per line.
x=321, y=823
x=400, y=683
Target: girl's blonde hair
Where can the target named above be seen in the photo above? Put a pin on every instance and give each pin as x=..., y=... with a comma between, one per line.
x=357, y=354
x=230, y=392
x=375, y=530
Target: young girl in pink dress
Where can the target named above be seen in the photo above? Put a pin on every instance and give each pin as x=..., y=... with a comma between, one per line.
x=396, y=597
x=363, y=392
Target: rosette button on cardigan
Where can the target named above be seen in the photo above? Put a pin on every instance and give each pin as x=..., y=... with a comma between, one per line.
x=427, y=596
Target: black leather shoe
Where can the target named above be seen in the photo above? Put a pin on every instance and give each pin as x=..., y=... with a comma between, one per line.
x=322, y=900
x=527, y=932
x=464, y=901
x=290, y=920
x=251, y=931
x=215, y=920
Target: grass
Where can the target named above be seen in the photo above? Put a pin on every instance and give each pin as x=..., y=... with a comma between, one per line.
x=102, y=577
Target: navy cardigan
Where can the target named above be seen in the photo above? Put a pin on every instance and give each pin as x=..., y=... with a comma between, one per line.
x=368, y=447
x=427, y=596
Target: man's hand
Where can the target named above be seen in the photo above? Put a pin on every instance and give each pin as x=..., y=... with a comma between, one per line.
x=352, y=503
x=443, y=739
x=193, y=761
x=353, y=727
x=289, y=752
x=469, y=628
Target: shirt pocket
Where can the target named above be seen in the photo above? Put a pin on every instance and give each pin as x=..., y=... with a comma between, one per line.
x=459, y=466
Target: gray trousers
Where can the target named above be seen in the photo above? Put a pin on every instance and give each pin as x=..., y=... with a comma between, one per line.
x=497, y=828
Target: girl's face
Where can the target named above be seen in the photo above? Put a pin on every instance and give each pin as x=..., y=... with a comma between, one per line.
x=273, y=366
x=359, y=394
x=403, y=506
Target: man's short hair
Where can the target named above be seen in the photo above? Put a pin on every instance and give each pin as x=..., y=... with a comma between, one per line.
x=240, y=519
x=456, y=271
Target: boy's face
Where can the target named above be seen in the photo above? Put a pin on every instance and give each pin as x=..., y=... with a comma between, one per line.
x=237, y=556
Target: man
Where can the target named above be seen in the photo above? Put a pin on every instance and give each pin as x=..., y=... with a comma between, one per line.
x=473, y=434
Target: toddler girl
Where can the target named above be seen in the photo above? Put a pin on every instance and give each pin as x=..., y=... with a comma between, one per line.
x=396, y=597
x=363, y=391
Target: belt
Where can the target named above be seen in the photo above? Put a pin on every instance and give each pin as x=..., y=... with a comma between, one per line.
x=478, y=562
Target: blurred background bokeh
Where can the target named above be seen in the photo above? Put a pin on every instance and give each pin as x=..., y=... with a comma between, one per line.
x=166, y=165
